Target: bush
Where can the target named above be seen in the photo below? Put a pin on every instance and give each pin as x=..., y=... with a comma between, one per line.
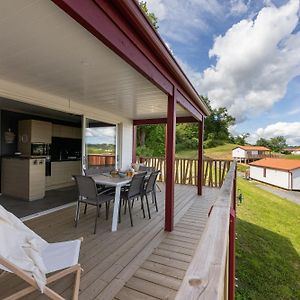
x=211, y=143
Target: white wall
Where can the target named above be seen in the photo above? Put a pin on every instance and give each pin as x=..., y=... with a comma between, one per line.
x=274, y=177
x=238, y=152
x=296, y=152
x=296, y=179
x=125, y=135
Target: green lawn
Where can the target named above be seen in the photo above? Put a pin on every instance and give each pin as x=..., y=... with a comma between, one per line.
x=291, y=156
x=268, y=246
x=220, y=152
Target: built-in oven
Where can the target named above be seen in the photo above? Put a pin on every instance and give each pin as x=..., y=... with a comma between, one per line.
x=40, y=149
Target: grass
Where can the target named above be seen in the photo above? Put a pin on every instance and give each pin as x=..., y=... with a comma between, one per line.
x=292, y=156
x=220, y=152
x=268, y=245
x=242, y=167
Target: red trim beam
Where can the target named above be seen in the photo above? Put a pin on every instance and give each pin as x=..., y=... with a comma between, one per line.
x=164, y=121
x=186, y=104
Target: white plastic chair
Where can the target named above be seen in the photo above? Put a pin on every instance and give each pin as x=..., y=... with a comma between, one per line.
x=61, y=257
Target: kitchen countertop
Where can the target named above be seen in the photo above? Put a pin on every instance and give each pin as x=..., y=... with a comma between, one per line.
x=24, y=157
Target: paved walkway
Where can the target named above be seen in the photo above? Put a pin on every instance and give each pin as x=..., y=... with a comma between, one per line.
x=289, y=195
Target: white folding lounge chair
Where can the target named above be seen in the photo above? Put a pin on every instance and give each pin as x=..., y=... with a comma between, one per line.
x=61, y=257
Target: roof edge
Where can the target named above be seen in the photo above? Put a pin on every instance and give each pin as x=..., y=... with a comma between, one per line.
x=132, y=11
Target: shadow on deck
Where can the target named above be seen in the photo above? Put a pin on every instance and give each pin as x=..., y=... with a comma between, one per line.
x=139, y=262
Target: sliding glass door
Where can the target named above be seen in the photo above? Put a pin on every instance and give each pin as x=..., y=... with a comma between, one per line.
x=100, y=144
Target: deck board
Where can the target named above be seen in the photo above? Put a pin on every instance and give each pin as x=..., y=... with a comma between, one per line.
x=129, y=263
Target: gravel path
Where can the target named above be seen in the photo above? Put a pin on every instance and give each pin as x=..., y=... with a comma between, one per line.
x=289, y=195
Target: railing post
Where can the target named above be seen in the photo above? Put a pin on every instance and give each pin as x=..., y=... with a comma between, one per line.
x=234, y=191
x=200, y=156
x=231, y=288
x=170, y=162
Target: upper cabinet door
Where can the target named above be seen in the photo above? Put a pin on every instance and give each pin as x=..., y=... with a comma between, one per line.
x=41, y=132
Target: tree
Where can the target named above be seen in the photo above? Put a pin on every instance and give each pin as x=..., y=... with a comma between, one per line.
x=276, y=143
x=263, y=142
x=241, y=139
x=151, y=16
x=217, y=124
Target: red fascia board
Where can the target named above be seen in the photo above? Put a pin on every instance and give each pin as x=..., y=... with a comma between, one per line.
x=183, y=101
x=92, y=17
x=164, y=121
x=141, y=22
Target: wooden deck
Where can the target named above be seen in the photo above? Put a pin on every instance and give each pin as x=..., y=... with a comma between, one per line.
x=140, y=262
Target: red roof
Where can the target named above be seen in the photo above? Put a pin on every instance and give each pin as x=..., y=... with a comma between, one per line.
x=277, y=163
x=257, y=148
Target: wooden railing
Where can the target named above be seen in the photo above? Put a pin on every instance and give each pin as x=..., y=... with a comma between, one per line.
x=186, y=170
x=211, y=273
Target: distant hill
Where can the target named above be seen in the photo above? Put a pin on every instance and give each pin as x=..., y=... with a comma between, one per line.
x=219, y=152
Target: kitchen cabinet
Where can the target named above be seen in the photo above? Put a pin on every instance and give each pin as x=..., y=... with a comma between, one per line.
x=33, y=131
x=61, y=174
x=66, y=131
x=23, y=178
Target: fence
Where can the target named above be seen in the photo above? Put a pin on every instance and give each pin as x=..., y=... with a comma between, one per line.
x=101, y=160
x=186, y=170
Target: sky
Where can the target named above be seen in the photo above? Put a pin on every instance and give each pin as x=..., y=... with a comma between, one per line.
x=244, y=55
x=101, y=135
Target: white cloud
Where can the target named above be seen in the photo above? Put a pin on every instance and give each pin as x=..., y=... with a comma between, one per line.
x=293, y=112
x=182, y=21
x=101, y=135
x=238, y=7
x=255, y=61
x=158, y=8
x=289, y=130
x=193, y=75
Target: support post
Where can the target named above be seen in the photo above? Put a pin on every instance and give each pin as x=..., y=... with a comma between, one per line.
x=134, y=131
x=170, y=162
x=84, y=158
x=200, y=157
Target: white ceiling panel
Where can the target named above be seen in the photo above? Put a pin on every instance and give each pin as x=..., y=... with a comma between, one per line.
x=45, y=49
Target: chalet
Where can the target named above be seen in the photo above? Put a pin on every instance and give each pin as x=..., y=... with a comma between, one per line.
x=284, y=173
x=249, y=153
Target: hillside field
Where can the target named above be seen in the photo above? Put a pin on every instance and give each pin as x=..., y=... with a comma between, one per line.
x=220, y=152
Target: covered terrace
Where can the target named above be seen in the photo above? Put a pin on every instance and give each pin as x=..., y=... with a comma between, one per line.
x=103, y=60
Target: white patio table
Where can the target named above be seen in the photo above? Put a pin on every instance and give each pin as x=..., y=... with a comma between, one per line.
x=116, y=182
